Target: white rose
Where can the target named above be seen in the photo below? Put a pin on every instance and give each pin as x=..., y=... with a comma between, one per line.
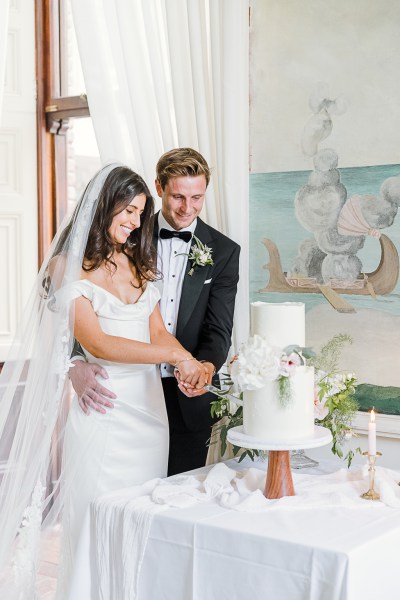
x=257, y=363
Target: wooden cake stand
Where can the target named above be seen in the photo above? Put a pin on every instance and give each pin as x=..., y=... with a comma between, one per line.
x=279, y=480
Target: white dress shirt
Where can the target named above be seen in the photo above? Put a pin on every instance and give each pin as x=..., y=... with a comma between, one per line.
x=172, y=256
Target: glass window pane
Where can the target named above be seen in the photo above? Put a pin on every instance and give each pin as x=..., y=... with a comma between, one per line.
x=72, y=82
x=83, y=157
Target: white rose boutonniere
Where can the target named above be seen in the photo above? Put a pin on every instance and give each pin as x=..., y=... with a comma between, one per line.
x=200, y=255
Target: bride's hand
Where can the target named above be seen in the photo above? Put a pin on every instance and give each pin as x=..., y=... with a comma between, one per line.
x=191, y=372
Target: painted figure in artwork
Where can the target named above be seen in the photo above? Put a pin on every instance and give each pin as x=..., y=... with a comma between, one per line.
x=328, y=262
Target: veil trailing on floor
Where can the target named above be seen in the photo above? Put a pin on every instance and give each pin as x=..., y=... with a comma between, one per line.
x=34, y=399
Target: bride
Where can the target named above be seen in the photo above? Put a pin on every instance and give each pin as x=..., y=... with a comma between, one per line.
x=96, y=286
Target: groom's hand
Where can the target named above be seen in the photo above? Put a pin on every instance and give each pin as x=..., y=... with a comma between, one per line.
x=189, y=390
x=91, y=394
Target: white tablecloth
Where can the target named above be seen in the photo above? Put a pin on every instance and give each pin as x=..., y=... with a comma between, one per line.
x=286, y=552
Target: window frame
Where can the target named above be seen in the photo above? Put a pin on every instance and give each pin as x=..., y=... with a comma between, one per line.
x=54, y=112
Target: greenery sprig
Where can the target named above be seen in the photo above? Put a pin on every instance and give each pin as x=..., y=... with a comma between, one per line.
x=328, y=358
x=221, y=408
x=341, y=409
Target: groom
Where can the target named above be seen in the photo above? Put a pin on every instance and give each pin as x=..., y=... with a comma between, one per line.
x=197, y=304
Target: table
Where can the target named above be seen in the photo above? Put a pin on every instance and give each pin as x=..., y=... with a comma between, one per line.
x=207, y=552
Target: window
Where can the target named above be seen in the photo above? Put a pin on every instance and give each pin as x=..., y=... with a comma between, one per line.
x=67, y=149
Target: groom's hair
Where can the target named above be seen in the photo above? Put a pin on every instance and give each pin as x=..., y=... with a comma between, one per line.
x=181, y=162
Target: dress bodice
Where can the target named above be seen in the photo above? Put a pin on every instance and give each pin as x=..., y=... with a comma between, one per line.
x=115, y=317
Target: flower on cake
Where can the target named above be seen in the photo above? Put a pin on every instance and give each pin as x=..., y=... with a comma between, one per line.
x=259, y=362
x=289, y=363
x=256, y=364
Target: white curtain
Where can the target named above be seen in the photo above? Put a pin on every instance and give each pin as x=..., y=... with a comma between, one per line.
x=4, y=8
x=161, y=74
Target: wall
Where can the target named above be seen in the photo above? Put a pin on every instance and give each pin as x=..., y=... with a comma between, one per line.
x=354, y=47
x=18, y=193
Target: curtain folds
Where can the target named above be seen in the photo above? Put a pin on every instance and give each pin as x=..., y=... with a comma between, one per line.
x=4, y=12
x=166, y=73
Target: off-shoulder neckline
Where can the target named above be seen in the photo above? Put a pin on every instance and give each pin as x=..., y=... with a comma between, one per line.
x=116, y=297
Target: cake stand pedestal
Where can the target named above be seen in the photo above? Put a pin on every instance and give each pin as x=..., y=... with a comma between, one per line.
x=279, y=480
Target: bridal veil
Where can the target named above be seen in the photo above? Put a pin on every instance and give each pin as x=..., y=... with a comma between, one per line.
x=34, y=398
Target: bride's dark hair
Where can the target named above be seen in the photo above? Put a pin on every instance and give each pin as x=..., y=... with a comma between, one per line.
x=119, y=189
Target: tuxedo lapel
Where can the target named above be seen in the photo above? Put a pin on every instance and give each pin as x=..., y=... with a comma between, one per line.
x=193, y=284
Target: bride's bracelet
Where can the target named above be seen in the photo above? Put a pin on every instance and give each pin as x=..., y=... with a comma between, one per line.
x=183, y=360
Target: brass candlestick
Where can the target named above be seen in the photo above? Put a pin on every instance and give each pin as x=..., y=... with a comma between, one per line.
x=371, y=494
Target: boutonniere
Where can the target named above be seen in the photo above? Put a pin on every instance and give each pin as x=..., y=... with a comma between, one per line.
x=200, y=255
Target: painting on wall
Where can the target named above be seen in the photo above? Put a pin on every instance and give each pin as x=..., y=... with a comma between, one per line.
x=327, y=232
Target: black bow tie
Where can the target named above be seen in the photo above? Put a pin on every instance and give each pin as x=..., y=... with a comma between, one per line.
x=167, y=234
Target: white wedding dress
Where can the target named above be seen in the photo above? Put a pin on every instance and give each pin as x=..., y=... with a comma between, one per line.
x=129, y=444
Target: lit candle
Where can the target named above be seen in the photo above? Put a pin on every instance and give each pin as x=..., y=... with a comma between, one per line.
x=372, y=434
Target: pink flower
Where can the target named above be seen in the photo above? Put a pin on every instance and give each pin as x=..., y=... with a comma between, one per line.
x=320, y=410
x=289, y=363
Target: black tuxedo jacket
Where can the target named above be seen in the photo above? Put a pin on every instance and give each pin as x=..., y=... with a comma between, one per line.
x=205, y=315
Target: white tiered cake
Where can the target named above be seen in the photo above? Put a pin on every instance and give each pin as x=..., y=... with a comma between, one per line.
x=265, y=417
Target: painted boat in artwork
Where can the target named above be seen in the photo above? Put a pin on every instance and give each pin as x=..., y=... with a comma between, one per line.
x=377, y=283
